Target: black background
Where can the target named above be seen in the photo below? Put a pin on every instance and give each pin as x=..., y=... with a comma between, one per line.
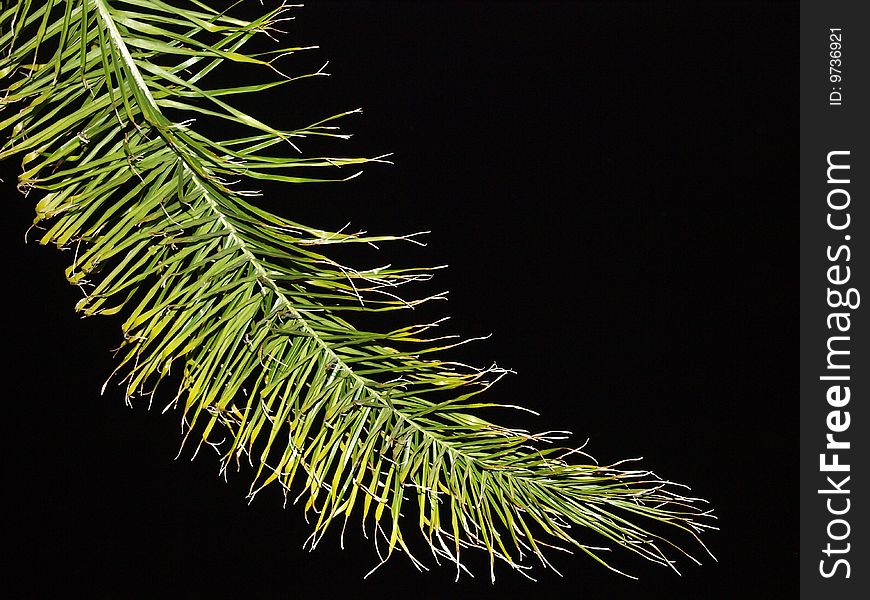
x=614, y=187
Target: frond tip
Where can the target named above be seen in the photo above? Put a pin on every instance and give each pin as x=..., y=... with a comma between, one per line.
x=103, y=100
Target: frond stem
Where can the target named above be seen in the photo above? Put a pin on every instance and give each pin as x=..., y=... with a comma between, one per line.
x=151, y=115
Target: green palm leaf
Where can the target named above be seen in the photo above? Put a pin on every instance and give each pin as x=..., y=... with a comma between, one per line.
x=101, y=98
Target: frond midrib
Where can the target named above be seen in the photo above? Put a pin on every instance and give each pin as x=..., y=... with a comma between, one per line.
x=232, y=233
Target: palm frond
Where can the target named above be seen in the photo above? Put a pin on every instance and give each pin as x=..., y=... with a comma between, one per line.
x=101, y=101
